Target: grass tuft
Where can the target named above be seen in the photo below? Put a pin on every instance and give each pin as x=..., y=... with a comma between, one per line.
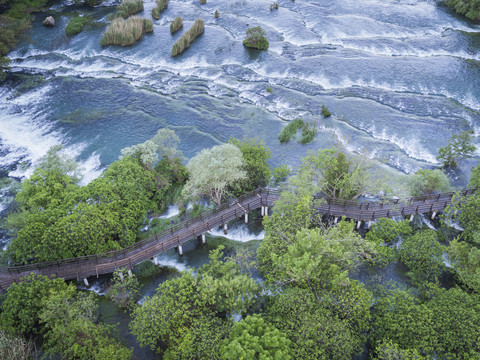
x=126, y=32
x=176, y=25
x=325, y=111
x=161, y=5
x=188, y=37
x=290, y=130
x=75, y=25
x=308, y=134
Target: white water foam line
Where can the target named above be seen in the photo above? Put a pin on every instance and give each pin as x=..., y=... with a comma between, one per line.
x=172, y=210
x=240, y=234
x=171, y=262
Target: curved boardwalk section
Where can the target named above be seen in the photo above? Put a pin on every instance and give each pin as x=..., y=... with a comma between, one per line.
x=95, y=265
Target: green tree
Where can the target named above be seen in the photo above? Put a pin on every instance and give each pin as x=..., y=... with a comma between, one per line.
x=252, y=338
x=280, y=174
x=384, y=233
x=167, y=142
x=255, y=157
x=474, y=182
x=315, y=332
x=388, y=350
x=68, y=319
x=213, y=171
x=459, y=146
x=336, y=176
x=145, y=152
x=400, y=317
x=428, y=182
x=422, y=254
x=468, y=8
x=4, y=67
x=124, y=289
x=175, y=313
x=23, y=303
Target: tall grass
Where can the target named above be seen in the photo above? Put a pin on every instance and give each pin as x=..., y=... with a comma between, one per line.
x=161, y=5
x=129, y=7
x=13, y=348
x=126, y=32
x=187, y=38
x=176, y=24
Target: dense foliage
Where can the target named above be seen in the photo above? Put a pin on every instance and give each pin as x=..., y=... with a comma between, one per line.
x=190, y=314
x=425, y=182
x=126, y=32
x=75, y=25
x=59, y=219
x=66, y=319
x=188, y=37
x=459, y=146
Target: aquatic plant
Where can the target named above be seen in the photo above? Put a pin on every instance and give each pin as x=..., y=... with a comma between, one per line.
x=269, y=89
x=126, y=32
x=216, y=14
x=203, y=2
x=176, y=24
x=161, y=5
x=75, y=25
x=308, y=134
x=129, y=7
x=290, y=130
x=274, y=6
x=187, y=38
x=325, y=111
x=256, y=38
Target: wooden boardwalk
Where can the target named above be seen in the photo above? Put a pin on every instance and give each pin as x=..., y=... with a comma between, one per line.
x=95, y=265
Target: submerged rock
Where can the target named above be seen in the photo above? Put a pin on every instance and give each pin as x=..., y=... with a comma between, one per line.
x=49, y=21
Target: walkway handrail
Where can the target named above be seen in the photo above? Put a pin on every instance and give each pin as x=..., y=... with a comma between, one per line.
x=119, y=254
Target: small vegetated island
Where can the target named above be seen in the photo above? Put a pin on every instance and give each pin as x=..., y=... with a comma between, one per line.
x=161, y=6
x=75, y=25
x=188, y=37
x=256, y=38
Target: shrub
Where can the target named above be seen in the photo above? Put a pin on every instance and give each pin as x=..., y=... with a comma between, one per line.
x=256, y=38
x=187, y=38
x=290, y=130
x=308, y=134
x=161, y=5
x=273, y=6
x=126, y=32
x=216, y=14
x=202, y=2
x=176, y=24
x=325, y=111
x=269, y=89
x=75, y=25
x=129, y=7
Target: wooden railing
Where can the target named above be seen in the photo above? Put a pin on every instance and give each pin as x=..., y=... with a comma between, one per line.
x=95, y=265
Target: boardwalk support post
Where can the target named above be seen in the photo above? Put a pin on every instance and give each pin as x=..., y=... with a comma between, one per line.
x=369, y=225
x=180, y=249
x=155, y=261
x=225, y=229
x=358, y=224
x=262, y=211
x=411, y=217
x=246, y=218
x=335, y=220
x=121, y=275
x=85, y=281
x=203, y=239
x=433, y=215
x=130, y=273
x=266, y=211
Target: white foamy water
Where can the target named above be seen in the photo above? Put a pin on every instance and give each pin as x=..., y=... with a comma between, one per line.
x=172, y=210
x=171, y=262
x=240, y=233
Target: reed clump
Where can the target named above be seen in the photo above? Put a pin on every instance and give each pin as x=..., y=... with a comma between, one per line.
x=128, y=8
x=126, y=32
x=161, y=5
x=188, y=37
x=325, y=111
x=75, y=25
x=176, y=24
x=290, y=130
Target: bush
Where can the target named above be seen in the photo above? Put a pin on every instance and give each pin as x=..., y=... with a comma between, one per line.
x=256, y=39
x=468, y=8
x=325, y=111
x=161, y=5
x=126, y=32
x=290, y=130
x=176, y=24
x=129, y=7
x=269, y=89
x=428, y=182
x=459, y=147
x=75, y=25
x=202, y=2
x=216, y=14
x=308, y=134
x=187, y=38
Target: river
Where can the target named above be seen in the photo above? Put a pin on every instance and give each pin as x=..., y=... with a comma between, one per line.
x=399, y=76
